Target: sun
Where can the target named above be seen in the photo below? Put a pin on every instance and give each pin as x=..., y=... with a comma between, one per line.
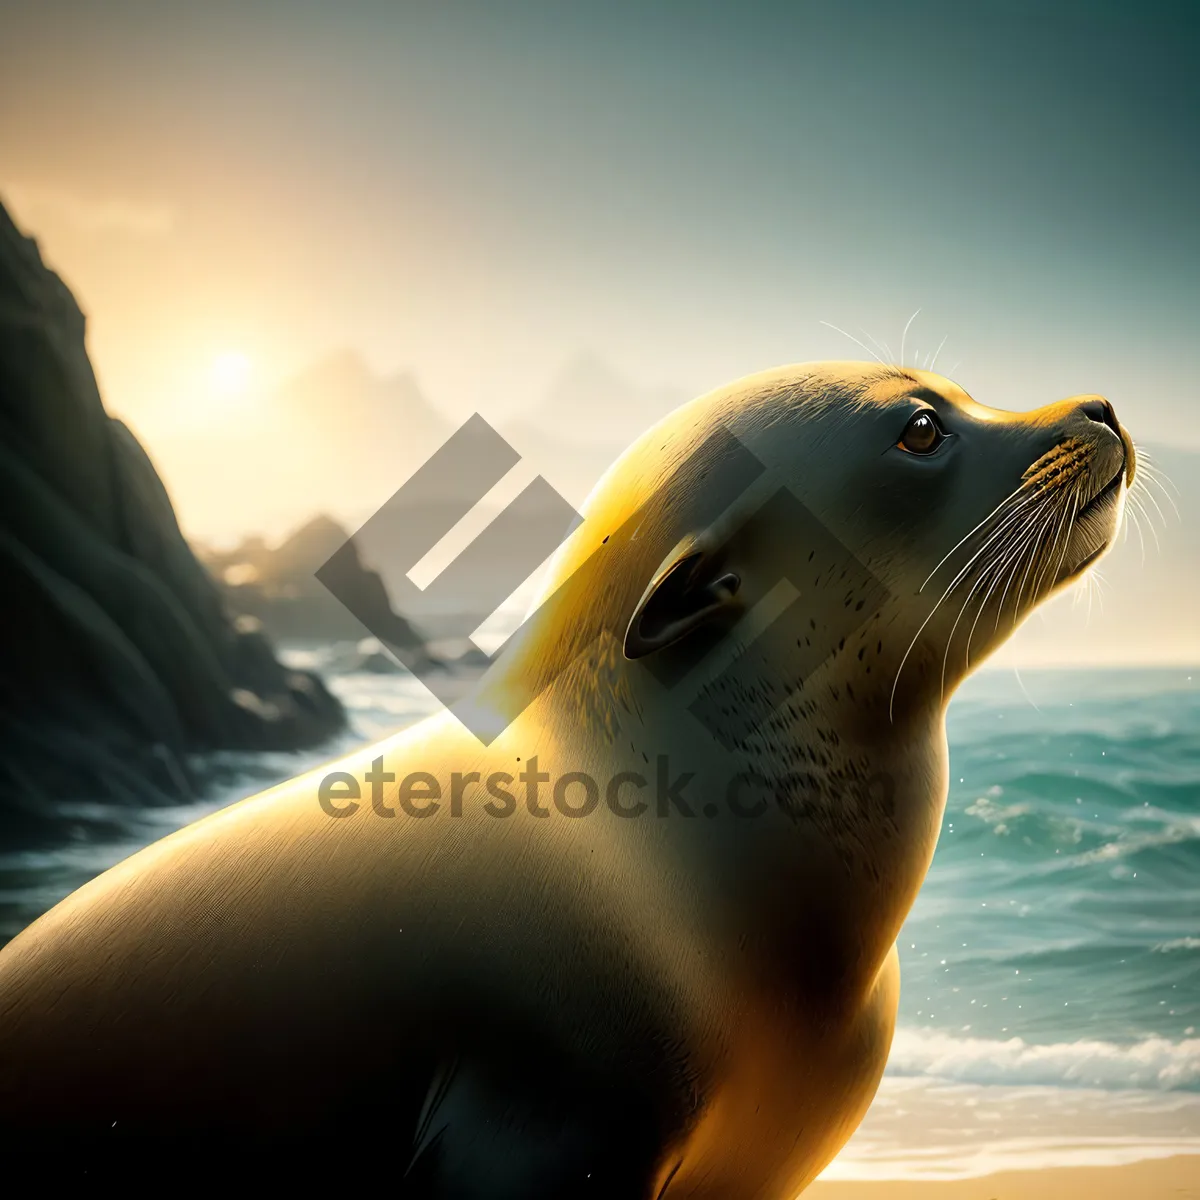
x=229, y=374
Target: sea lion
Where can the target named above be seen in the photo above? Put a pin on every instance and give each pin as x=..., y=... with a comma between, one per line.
x=641, y=943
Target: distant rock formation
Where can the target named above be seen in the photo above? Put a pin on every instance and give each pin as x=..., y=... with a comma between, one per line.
x=279, y=587
x=119, y=659
x=587, y=419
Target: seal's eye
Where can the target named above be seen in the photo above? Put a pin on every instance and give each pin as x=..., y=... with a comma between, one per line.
x=922, y=435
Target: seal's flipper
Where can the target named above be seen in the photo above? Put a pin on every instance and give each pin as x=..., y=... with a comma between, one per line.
x=480, y=1137
x=429, y=1131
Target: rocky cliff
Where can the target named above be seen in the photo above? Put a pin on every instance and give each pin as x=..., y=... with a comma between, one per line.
x=120, y=659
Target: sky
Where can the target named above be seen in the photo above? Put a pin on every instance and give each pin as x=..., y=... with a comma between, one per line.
x=477, y=194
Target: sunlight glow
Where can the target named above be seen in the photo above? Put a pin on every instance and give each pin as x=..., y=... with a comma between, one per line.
x=230, y=374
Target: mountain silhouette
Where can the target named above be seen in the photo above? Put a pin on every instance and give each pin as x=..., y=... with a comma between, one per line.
x=589, y=415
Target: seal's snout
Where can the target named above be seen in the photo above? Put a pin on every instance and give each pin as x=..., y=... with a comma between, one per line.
x=1101, y=411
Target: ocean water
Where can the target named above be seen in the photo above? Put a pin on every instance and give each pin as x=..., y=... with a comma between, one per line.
x=1050, y=968
x=1050, y=1004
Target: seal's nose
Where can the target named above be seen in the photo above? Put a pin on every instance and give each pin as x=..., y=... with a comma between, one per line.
x=1096, y=408
x=1102, y=412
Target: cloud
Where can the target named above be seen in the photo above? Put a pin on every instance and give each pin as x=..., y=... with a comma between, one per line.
x=36, y=204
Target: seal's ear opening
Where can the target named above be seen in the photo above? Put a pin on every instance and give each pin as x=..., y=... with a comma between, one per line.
x=686, y=596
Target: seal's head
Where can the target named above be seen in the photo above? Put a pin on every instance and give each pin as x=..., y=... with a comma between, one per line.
x=837, y=509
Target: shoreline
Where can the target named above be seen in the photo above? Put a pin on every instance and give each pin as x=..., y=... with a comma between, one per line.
x=928, y=1132
x=1174, y=1178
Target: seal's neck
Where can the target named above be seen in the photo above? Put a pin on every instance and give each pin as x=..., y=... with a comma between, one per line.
x=822, y=846
x=810, y=839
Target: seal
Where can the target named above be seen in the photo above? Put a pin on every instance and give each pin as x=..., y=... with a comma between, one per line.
x=638, y=940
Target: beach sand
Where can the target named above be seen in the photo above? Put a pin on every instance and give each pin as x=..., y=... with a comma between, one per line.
x=1158, y=1179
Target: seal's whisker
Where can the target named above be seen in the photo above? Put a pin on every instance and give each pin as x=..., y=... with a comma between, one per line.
x=1050, y=568
x=1019, y=545
x=904, y=335
x=1035, y=549
x=1150, y=473
x=1061, y=522
x=1147, y=460
x=1010, y=521
x=1096, y=585
x=1132, y=513
x=1025, y=691
x=1080, y=590
x=997, y=576
x=1150, y=523
x=1144, y=491
x=1137, y=500
x=1042, y=521
x=1101, y=584
x=954, y=629
x=1084, y=589
x=993, y=570
x=1015, y=492
x=1038, y=529
x=855, y=340
x=882, y=347
x=953, y=584
x=1069, y=527
x=933, y=361
x=1151, y=479
x=916, y=637
x=1014, y=567
x=982, y=578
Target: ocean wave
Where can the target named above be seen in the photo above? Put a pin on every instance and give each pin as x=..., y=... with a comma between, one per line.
x=1151, y=1064
x=1183, y=943
x=1173, y=835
